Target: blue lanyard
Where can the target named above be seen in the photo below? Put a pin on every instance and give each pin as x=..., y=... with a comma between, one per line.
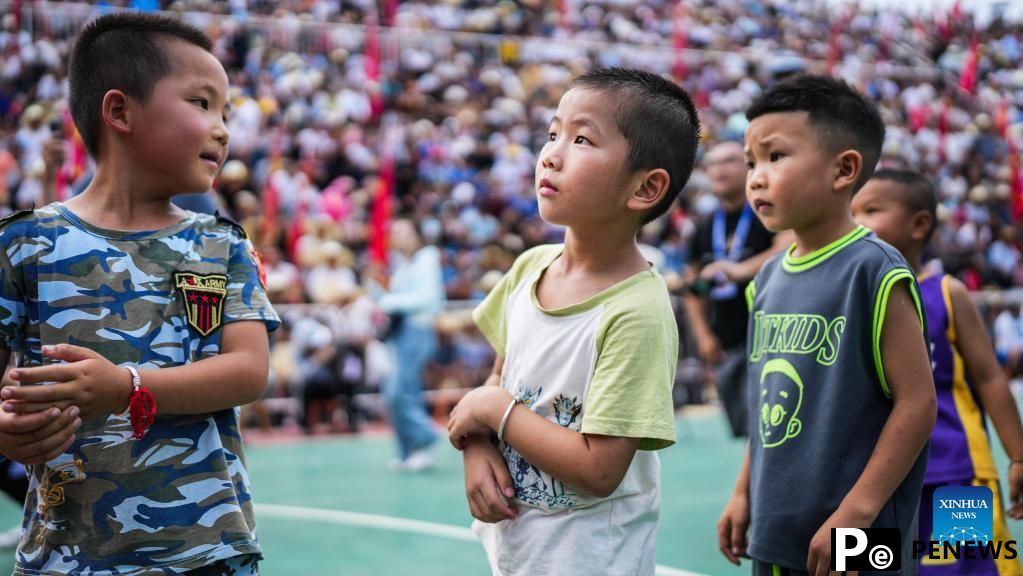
x=738, y=237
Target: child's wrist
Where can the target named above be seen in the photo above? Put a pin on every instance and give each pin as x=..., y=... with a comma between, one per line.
x=497, y=401
x=124, y=391
x=858, y=512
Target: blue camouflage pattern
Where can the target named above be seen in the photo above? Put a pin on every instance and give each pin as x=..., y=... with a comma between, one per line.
x=179, y=498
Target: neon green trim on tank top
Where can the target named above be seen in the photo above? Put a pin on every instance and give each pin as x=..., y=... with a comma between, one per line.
x=881, y=308
x=807, y=261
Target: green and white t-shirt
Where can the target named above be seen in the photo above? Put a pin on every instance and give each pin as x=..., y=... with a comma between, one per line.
x=604, y=366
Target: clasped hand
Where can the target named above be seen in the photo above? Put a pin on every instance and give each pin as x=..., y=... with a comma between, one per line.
x=86, y=380
x=470, y=414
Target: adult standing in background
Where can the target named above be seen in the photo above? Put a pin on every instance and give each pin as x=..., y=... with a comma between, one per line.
x=414, y=299
x=726, y=253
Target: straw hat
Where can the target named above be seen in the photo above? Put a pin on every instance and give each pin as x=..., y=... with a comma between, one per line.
x=34, y=113
x=234, y=171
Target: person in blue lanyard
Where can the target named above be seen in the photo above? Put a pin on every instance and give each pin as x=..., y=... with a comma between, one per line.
x=726, y=253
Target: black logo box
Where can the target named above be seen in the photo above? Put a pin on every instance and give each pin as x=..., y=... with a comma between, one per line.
x=878, y=539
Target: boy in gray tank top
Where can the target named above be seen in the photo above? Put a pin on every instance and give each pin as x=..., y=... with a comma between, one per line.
x=840, y=390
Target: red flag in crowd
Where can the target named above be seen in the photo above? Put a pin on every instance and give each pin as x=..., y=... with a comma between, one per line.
x=1015, y=178
x=76, y=158
x=271, y=196
x=271, y=207
x=968, y=79
x=942, y=131
x=296, y=228
x=835, y=34
x=680, y=41
x=372, y=61
x=918, y=116
x=390, y=11
x=381, y=215
x=833, y=48
x=1002, y=120
x=946, y=22
x=565, y=15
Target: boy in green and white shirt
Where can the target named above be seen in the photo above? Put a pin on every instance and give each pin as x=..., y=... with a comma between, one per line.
x=586, y=340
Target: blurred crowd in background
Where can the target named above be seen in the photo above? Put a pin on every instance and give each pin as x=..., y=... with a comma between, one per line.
x=347, y=114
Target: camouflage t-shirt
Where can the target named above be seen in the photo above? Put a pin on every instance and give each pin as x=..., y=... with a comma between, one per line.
x=179, y=497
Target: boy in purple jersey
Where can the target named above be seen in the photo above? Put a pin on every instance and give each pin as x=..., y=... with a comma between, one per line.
x=899, y=206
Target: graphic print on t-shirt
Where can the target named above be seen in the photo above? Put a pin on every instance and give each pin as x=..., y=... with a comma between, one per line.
x=532, y=485
x=566, y=409
x=781, y=395
x=781, y=387
x=797, y=334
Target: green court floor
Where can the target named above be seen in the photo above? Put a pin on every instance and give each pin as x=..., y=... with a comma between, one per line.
x=331, y=507
x=352, y=475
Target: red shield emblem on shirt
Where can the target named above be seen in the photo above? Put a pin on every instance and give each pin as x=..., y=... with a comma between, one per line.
x=204, y=299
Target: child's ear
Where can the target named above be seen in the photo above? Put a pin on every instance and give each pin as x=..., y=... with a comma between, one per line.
x=848, y=167
x=116, y=111
x=651, y=189
x=920, y=225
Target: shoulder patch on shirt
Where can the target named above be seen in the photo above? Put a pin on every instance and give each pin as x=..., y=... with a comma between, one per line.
x=204, y=299
x=221, y=218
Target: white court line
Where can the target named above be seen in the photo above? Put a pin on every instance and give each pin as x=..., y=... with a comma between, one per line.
x=367, y=520
x=398, y=524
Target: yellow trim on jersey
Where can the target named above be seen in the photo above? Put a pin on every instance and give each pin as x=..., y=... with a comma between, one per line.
x=966, y=407
x=947, y=296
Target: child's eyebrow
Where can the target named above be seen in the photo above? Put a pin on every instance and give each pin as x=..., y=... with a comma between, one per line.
x=587, y=123
x=764, y=143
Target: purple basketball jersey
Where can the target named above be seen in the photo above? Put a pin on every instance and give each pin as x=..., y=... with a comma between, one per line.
x=960, y=416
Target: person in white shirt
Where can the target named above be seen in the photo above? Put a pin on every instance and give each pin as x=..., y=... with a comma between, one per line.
x=580, y=395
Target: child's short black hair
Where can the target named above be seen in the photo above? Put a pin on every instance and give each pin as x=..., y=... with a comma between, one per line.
x=122, y=51
x=843, y=118
x=917, y=193
x=657, y=118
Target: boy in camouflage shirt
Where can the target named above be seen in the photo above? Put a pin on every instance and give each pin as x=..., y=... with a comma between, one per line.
x=118, y=282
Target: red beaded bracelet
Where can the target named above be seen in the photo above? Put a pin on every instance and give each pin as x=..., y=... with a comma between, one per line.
x=141, y=407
